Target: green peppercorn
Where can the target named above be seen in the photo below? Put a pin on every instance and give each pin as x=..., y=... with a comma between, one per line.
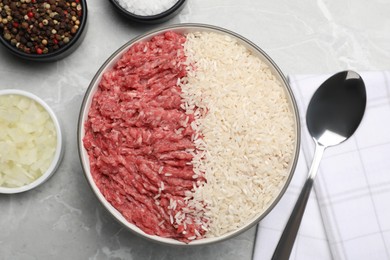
x=7, y=36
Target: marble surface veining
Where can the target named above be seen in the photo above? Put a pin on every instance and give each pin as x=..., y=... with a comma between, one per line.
x=62, y=219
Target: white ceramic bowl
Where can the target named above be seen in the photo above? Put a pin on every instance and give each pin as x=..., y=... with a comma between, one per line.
x=86, y=104
x=59, y=149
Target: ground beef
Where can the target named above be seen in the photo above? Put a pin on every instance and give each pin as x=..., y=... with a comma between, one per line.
x=137, y=137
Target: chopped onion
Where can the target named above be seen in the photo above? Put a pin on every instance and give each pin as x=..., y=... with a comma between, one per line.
x=28, y=140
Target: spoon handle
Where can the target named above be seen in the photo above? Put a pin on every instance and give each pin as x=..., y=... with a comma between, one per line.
x=286, y=242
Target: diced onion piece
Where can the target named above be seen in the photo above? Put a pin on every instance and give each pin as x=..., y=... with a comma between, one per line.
x=27, y=141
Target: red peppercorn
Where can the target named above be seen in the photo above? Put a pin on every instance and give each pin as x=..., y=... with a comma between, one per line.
x=39, y=51
x=30, y=14
x=15, y=24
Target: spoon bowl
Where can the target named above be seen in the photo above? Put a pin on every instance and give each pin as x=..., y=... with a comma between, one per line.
x=333, y=115
x=335, y=111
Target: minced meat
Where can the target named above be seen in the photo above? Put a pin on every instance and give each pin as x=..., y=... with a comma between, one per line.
x=138, y=137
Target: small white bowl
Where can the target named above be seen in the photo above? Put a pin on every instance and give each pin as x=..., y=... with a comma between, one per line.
x=59, y=149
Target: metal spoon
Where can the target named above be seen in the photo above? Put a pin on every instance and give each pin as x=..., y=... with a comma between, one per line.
x=334, y=113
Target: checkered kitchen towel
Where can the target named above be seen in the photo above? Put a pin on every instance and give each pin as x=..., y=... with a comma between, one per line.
x=352, y=188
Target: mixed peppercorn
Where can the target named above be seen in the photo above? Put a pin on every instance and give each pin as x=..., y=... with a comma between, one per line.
x=39, y=26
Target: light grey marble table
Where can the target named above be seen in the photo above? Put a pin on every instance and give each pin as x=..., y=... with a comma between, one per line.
x=62, y=219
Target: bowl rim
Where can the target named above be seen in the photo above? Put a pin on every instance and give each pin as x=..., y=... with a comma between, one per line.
x=58, y=155
x=149, y=18
x=93, y=86
x=59, y=51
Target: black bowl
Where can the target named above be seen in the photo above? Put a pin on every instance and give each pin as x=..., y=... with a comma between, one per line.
x=151, y=19
x=62, y=51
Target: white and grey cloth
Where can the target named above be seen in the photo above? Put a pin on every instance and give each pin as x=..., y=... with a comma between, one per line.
x=348, y=214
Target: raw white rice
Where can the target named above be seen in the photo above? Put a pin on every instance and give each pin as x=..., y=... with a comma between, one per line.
x=247, y=126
